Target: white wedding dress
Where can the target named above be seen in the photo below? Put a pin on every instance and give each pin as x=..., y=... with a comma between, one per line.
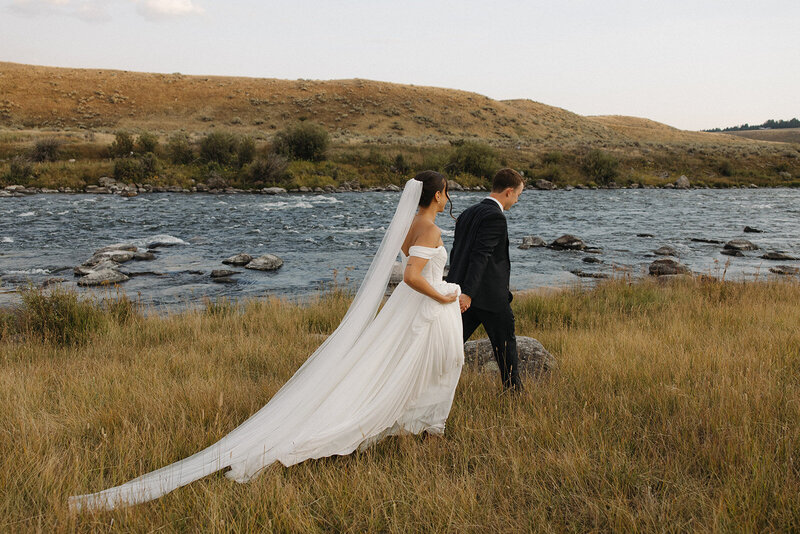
x=378, y=374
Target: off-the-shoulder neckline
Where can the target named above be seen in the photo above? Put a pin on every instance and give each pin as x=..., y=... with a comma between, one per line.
x=419, y=246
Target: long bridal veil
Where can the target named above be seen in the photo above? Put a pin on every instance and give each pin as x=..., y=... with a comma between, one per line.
x=267, y=434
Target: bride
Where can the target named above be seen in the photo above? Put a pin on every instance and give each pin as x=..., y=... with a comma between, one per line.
x=376, y=375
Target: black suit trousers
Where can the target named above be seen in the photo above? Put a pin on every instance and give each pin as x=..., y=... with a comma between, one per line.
x=499, y=326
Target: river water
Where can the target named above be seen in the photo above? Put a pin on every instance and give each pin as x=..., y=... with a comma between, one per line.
x=327, y=237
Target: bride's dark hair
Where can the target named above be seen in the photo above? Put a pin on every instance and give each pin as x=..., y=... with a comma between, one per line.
x=432, y=182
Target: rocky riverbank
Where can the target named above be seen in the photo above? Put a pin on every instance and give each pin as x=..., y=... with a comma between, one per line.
x=110, y=186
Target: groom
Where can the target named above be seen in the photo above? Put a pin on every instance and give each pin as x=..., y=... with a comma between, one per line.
x=480, y=264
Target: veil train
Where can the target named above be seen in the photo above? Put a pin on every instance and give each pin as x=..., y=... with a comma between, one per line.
x=268, y=435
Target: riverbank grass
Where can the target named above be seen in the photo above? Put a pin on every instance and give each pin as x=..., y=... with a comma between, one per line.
x=674, y=407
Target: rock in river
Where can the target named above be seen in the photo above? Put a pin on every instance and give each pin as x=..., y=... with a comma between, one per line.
x=751, y=230
x=102, y=277
x=238, y=260
x=665, y=251
x=534, y=359
x=220, y=273
x=568, y=242
x=667, y=266
x=531, y=241
x=740, y=244
x=732, y=252
x=267, y=262
x=780, y=256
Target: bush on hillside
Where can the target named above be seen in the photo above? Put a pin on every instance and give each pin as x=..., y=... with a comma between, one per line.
x=473, y=158
x=218, y=147
x=245, y=151
x=46, y=149
x=269, y=171
x=179, y=149
x=122, y=146
x=600, y=166
x=20, y=171
x=304, y=141
x=147, y=143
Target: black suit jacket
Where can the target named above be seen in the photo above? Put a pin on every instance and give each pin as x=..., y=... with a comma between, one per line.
x=480, y=262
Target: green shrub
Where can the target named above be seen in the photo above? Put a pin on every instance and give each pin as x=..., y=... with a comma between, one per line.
x=245, y=151
x=58, y=316
x=20, y=171
x=271, y=170
x=401, y=165
x=179, y=150
x=600, y=166
x=725, y=168
x=46, y=149
x=218, y=147
x=122, y=145
x=551, y=172
x=127, y=170
x=136, y=169
x=147, y=143
x=304, y=141
x=554, y=156
x=473, y=158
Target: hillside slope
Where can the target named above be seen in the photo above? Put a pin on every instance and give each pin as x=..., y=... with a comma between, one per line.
x=353, y=110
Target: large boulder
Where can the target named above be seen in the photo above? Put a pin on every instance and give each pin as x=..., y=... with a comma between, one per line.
x=534, y=359
x=667, y=266
x=102, y=277
x=544, y=185
x=238, y=260
x=682, y=183
x=452, y=185
x=740, y=244
x=532, y=241
x=568, y=242
x=273, y=191
x=266, y=262
x=83, y=270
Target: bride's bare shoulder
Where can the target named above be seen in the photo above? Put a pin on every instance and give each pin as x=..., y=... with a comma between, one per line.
x=427, y=235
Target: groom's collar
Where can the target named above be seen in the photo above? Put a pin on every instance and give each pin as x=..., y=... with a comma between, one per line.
x=496, y=201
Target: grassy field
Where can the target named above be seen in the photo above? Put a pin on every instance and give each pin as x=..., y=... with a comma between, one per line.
x=674, y=408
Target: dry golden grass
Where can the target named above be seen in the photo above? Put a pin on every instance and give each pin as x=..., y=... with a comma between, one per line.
x=781, y=135
x=675, y=408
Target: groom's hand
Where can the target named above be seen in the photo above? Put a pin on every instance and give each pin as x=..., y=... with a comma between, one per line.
x=464, y=301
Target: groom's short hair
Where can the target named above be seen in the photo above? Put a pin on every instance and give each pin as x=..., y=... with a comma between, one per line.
x=505, y=178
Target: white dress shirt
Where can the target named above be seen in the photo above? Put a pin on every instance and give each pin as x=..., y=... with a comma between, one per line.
x=498, y=203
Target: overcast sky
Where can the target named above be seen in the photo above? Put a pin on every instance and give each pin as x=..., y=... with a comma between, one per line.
x=690, y=64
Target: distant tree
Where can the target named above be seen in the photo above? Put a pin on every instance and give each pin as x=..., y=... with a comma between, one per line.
x=473, y=158
x=218, y=147
x=179, y=149
x=147, y=143
x=601, y=166
x=122, y=145
x=305, y=140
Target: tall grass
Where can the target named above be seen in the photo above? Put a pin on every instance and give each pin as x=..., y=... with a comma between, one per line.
x=674, y=408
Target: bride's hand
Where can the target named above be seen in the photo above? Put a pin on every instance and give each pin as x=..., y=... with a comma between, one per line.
x=450, y=297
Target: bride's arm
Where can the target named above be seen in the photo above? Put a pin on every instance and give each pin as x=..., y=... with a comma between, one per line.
x=412, y=276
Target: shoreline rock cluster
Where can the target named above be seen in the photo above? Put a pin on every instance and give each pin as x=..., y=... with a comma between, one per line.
x=667, y=266
x=105, y=266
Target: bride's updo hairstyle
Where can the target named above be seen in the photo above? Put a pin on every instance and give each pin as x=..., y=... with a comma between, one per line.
x=432, y=182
